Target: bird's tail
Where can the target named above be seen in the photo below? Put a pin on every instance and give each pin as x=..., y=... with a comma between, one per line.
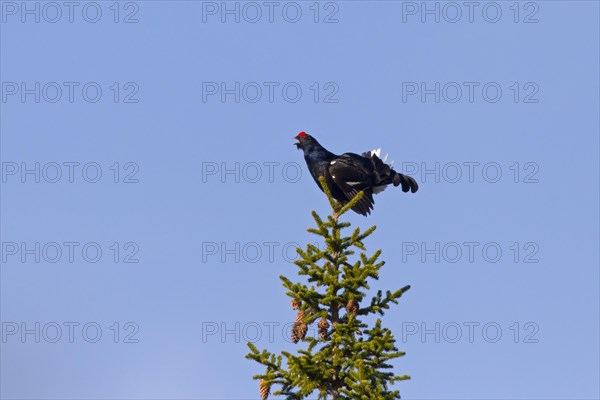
x=386, y=174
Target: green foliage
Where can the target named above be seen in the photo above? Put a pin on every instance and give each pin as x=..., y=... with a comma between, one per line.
x=348, y=359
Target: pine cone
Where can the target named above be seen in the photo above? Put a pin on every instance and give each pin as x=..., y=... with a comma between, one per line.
x=298, y=332
x=295, y=337
x=300, y=316
x=352, y=307
x=264, y=389
x=299, y=328
x=295, y=304
x=323, y=326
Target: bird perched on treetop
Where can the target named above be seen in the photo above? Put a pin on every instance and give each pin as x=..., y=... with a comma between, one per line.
x=348, y=174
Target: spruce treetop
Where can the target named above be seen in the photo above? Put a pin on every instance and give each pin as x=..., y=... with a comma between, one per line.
x=348, y=359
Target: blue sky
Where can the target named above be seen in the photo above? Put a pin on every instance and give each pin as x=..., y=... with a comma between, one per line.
x=164, y=196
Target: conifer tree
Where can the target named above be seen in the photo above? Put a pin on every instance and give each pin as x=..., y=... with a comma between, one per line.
x=348, y=359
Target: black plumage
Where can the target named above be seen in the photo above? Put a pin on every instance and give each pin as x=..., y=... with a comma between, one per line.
x=348, y=174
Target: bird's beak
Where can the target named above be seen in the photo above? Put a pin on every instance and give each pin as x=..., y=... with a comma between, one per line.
x=297, y=144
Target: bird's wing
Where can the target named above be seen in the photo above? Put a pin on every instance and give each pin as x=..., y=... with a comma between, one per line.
x=351, y=175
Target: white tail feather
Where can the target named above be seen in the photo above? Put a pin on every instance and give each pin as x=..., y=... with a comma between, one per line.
x=379, y=189
x=377, y=152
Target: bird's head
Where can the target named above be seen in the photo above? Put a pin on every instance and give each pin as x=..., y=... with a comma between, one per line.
x=304, y=140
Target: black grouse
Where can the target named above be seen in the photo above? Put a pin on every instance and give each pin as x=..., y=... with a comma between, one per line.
x=348, y=174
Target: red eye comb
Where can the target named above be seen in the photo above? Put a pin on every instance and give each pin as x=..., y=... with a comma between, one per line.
x=301, y=134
